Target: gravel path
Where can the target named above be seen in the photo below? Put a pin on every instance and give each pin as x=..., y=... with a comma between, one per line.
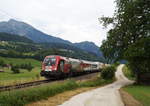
x=103, y=96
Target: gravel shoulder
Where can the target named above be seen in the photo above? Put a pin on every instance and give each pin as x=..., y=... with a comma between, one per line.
x=105, y=96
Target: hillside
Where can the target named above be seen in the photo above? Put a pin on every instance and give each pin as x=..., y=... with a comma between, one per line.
x=89, y=47
x=24, y=29
x=14, y=38
x=39, y=51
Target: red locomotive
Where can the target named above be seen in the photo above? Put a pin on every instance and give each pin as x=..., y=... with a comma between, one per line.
x=58, y=66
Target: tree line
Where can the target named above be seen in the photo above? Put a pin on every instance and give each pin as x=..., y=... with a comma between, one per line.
x=129, y=38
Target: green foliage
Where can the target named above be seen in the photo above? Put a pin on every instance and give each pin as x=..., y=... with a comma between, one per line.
x=132, y=18
x=105, y=21
x=15, y=46
x=22, y=97
x=39, y=51
x=97, y=82
x=2, y=63
x=108, y=72
x=129, y=37
x=138, y=55
x=116, y=64
x=128, y=72
x=15, y=69
x=27, y=66
x=25, y=96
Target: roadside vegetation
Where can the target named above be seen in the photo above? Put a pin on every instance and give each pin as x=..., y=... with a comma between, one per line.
x=139, y=92
x=29, y=95
x=108, y=72
x=128, y=73
x=129, y=37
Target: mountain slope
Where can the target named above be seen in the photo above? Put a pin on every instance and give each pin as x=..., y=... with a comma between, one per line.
x=14, y=38
x=89, y=47
x=23, y=29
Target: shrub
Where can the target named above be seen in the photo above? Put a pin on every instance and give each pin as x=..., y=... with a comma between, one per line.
x=28, y=66
x=2, y=63
x=15, y=69
x=108, y=72
x=116, y=64
x=38, y=76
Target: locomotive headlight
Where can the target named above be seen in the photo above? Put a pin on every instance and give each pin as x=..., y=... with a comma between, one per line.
x=48, y=70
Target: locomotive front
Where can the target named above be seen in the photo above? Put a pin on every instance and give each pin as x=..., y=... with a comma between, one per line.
x=49, y=66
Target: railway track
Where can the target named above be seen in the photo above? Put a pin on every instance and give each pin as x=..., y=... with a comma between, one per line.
x=23, y=85
x=35, y=83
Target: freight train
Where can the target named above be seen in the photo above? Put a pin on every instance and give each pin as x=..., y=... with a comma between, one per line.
x=55, y=66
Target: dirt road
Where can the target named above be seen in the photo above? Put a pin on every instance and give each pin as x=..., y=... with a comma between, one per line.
x=104, y=96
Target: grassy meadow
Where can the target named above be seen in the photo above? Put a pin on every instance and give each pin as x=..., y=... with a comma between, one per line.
x=139, y=92
x=19, y=61
x=9, y=78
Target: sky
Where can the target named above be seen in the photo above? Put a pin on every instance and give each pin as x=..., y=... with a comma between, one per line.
x=73, y=20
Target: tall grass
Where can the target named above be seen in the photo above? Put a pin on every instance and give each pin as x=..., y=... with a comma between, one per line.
x=25, y=96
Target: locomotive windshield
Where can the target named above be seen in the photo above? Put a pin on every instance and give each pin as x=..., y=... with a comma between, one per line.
x=50, y=61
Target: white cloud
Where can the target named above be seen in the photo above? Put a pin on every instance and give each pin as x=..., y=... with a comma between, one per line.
x=73, y=20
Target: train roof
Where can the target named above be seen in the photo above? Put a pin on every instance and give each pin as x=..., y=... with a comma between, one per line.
x=72, y=59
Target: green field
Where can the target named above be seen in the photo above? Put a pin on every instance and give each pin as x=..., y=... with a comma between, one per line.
x=34, y=62
x=140, y=93
x=8, y=77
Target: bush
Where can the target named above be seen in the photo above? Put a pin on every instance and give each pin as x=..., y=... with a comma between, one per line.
x=116, y=64
x=108, y=72
x=28, y=66
x=15, y=69
x=2, y=63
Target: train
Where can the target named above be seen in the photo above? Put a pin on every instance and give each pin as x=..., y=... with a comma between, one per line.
x=55, y=66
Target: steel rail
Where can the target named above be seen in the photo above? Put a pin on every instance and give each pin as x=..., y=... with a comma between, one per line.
x=34, y=83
